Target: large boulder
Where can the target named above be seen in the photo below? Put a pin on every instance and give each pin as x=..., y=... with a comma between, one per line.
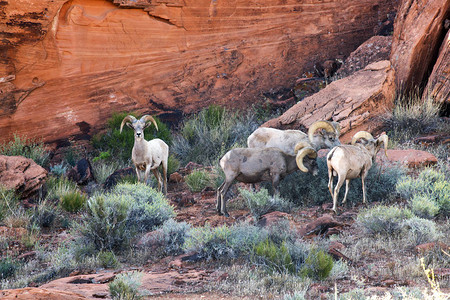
x=438, y=86
x=355, y=102
x=21, y=174
x=78, y=61
x=39, y=294
x=418, y=34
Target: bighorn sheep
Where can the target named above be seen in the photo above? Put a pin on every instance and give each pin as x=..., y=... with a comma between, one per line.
x=147, y=155
x=252, y=165
x=353, y=161
x=287, y=139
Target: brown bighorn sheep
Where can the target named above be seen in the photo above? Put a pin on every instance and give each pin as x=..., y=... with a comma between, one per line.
x=147, y=155
x=252, y=165
x=353, y=161
x=287, y=139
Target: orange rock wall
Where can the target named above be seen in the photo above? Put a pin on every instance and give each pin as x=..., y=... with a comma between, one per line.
x=65, y=66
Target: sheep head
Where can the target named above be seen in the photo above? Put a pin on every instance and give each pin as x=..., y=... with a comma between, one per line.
x=328, y=137
x=304, y=150
x=138, y=125
x=371, y=144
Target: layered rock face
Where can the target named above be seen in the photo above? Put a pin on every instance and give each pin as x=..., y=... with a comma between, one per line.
x=65, y=66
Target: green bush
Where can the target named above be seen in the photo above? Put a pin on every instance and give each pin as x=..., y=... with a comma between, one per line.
x=224, y=242
x=73, y=201
x=57, y=187
x=103, y=169
x=318, y=264
x=44, y=214
x=387, y=220
x=7, y=268
x=58, y=170
x=412, y=117
x=198, y=180
x=126, y=286
x=274, y=258
x=112, y=219
x=22, y=146
x=307, y=190
x=172, y=236
x=423, y=207
x=419, y=231
x=173, y=164
x=261, y=203
x=119, y=145
x=431, y=185
x=107, y=259
x=208, y=135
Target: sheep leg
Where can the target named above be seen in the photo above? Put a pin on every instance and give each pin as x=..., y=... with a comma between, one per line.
x=364, y=189
x=164, y=166
x=347, y=181
x=336, y=192
x=223, y=206
x=158, y=177
x=219, y=197
x=275, y=182
x=330, y=181
x=138, y=174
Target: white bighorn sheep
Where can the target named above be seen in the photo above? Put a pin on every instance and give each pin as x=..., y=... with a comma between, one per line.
x=147, y=155
x=353, y=161
x=286, y=140
x=252, y=165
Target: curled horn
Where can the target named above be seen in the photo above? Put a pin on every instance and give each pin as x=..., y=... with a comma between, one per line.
x=361, y=135
x=300, y=145
x=147, y=118
x=301, y=155
x=128, y=118
x=384, y=138
x=328, y=126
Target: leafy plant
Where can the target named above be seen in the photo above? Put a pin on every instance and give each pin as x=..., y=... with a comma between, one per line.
x=274, y=258
x=73, y=201
x=22, y=146
x=420, y=231
x=8, y=202
x=59, y=169
x=172, y=236
x=7, y=267
x=126, y=286
x=198, y=180
x=431, y=185
x=108, y=259
x=318, y=264
x=261, y=203
x=387, y=220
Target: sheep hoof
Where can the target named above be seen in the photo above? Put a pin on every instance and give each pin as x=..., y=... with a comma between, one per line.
x=226, y=215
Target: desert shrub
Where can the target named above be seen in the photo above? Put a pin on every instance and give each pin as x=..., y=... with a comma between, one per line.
x=318, y=264
x=224, y=242
x=119, y=145
x=107, y=259
x=22, y=146
x=8, y=202
x=305, y=189
x=340, y=270
x=419, y=231
x=150, y=208
x=281, y=231
x=261, y=203
x=431, y=185
x=208, y=135
x=412, y=116
x=198, y=180
x=57, y=187
x=274, y=258
x=44, y=214
x=295, y=296
x=7, y=268
x=172, y=236
x=103, y=224
x=255, y=282
x=103, y=169
x=73, y=201
x=423, y=207
x=112, y=219
x=386, y=220
x=126, y=286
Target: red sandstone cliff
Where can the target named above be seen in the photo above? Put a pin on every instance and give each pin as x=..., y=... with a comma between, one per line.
x=65, y=66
